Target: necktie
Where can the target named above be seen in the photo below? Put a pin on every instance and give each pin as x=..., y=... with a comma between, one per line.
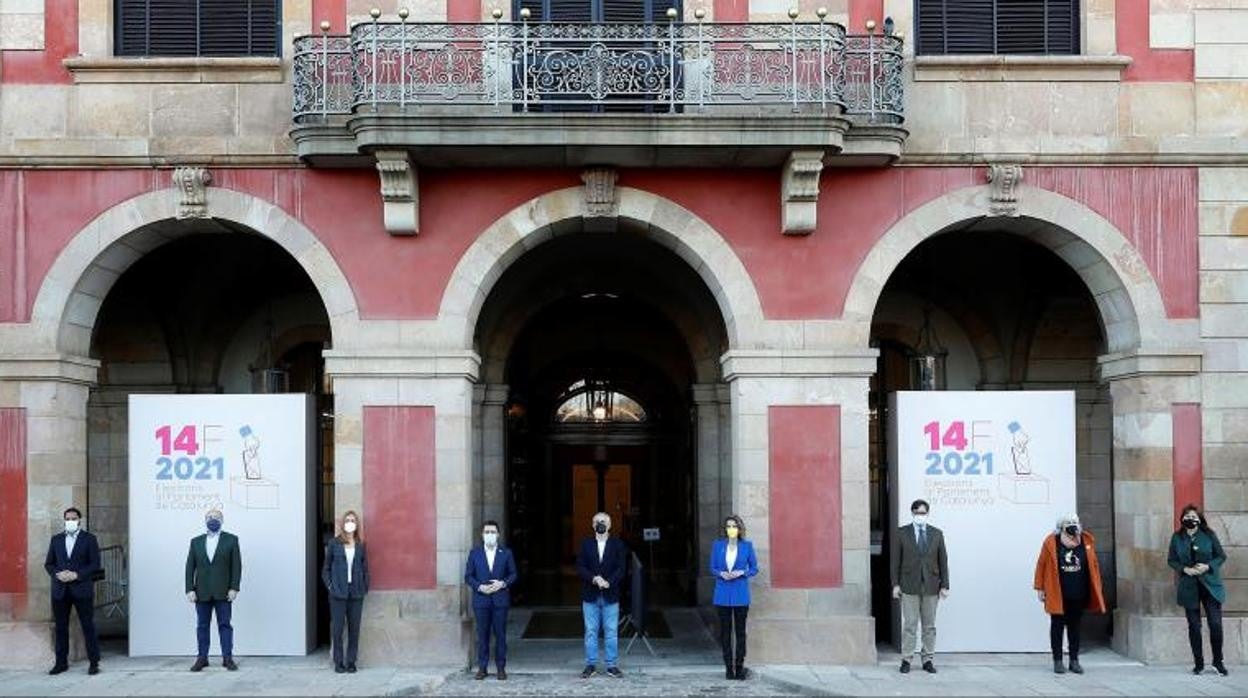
x=923, y=539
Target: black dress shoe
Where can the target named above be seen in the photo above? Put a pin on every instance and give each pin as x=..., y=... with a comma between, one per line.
x=730, y=672
x=340, y=669
x=351, y=668
x=502, y=674
x=905, y=666
x=229, y=664
x=1075, y=667
x=1221, y=668
x=1058, y=667
x=929, y=667
x=199, y=664
x=94, y=668
x=615, y=673
x=742, y=673
x=588, y=671
x=480, y=674
x=58, y=669
x=1199, y=668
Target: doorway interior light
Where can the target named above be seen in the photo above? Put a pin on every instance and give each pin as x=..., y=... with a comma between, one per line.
x=927, y=360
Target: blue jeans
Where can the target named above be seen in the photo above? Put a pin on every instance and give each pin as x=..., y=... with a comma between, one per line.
x=606, y=616
x=204, y=611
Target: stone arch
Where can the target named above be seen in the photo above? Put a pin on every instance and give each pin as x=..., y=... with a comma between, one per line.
x=70, y=297
x=562, y=212
x=1115, y=274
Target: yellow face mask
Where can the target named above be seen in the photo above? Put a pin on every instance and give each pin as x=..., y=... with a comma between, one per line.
x=732, y=531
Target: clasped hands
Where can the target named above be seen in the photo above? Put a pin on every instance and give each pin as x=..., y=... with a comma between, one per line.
x=491, y=586
x=1196, y=570
x=230, y=595
x=67, y=576
x=601, y=583
x=729, y=575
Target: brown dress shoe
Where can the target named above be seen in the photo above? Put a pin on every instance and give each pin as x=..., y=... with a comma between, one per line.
x=480, y=674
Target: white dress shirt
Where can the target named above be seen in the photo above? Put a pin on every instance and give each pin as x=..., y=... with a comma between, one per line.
x=730, y=557
x=70, y=540
x=350, y=550
x=210, y=544
x=602, y=548
x=489, y=558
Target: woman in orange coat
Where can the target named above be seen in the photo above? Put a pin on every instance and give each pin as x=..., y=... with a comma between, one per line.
x=1068, y=582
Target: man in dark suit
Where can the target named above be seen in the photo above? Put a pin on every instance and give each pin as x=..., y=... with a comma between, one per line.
x=490, y=573
x=920, y=570
x=73, y=558
x=214, y=568
x=601, y=565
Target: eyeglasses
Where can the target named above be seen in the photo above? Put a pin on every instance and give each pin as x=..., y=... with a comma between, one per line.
x=731, y=526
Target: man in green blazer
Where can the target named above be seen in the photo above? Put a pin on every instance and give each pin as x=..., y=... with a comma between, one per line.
x=214, y=568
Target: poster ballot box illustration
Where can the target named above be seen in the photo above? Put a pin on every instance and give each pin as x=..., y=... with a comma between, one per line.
x=251, y=457
x=998, y=468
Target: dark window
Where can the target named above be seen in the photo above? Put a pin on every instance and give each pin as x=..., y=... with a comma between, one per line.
x=997, y=26
x=637, y=11
x=197, y=28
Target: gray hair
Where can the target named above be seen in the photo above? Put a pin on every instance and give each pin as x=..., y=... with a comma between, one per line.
x=214, y=513
x=602, y=515
x=1066, y=519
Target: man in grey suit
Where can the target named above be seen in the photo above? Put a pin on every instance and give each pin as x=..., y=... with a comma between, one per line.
x=920, y=569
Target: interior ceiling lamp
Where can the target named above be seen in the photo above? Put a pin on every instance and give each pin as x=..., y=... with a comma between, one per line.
x=927, y=360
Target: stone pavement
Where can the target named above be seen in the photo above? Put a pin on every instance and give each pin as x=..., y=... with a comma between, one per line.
x=965, y=675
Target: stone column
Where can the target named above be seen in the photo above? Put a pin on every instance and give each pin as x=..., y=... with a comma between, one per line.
x=407, y=624
x=52, y=393
x=826, y=623
x=711, y=479
x=1147, y=623
x=494, y=454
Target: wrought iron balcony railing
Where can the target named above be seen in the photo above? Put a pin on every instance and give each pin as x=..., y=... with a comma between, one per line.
x=757, y=69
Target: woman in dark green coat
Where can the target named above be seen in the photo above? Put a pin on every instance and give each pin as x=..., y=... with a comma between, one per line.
x=1197, y=557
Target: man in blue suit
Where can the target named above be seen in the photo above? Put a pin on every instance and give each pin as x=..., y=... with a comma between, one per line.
x=73, y=558
x=490, y=573
x=601, y=566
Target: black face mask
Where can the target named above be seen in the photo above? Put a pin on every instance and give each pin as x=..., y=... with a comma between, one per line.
x=1190, y=524
x=600, y=528
x=1072, y=530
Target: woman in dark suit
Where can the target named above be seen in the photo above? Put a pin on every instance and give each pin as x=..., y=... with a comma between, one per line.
x=733, y=563
x=345, y=575
x=1196, y=556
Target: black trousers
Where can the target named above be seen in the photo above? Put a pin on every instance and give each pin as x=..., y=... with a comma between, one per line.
x=1213, y=611
x=345, y=611
x=86, y=617
x=1069, y=620
x=730, y=618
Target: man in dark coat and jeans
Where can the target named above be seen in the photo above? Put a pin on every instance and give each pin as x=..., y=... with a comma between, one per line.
x=214, y=568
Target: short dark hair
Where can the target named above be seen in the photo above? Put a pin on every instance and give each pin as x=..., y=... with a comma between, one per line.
x=491, y=522
x=920, y=503
x=73, y=509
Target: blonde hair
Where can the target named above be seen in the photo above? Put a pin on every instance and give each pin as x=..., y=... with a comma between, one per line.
x=359, y=528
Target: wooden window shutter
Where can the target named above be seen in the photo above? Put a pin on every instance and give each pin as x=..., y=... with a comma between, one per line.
x=1034, y=27
x=197, y=28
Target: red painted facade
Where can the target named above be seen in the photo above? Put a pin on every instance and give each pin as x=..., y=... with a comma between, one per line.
x=60, y=37
x=12, y=513
x=1131, y=30
x=1154, y=208
x=1188, y=462
x=399, y=476
x=860, y=11
x=804, y=501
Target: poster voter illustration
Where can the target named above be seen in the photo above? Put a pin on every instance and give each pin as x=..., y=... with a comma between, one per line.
x=998, y=468
x=248, y=456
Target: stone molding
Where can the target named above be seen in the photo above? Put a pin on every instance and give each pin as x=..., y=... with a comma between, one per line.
x=403, y=364
x=756, y=363
x=1005, y=68
x=1143, y=363
x=400, y=192
x=1005, y=181
x=112, y=70
x=192, y=185
x=600, y=193
x=799, y=192
x=59, y=368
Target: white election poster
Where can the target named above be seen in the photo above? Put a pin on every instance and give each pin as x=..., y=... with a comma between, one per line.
x=247, y=455
x=998, y=468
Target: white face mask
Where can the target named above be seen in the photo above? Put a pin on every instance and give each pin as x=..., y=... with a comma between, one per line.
x=71, y=526
x=491, y=539
x=920, y=519
x=349, y=527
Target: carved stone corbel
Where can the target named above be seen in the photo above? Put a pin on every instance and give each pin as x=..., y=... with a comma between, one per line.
x=599, y=192
x=192, y=185
x=400, y=192
x=1005, y=181
x=799, y=192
